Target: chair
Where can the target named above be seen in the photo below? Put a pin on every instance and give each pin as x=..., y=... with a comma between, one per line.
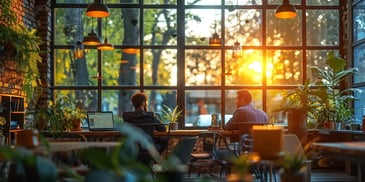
x=183, y=149
x=292, y=145
x=214, y=151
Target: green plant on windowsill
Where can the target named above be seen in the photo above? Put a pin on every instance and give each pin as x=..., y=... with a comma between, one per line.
x=292, y=168
x=171, y=115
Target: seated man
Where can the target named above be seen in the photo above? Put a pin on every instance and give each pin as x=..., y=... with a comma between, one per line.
x=140, y=115
x=245, y=112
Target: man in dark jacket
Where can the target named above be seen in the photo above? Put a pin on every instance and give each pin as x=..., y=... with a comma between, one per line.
x=140, y=116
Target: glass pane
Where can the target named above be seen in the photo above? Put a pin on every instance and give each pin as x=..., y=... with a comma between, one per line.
x=202, y=67
x=118, y=101
x=160, y=67
x=283, y=32
x=159, y=1
x=158, y=98
x=359, y=21
x=245, y=70
x=113, y=72
x=200, y=104
x=230, y=101
x=294, y=2
x=325, y=25
x=284, y=67
x=359, y=63
x=359, y=105
x=325, y=3
x=200, y=24
x=124, y=19
x=70, y=26
x=243, y=26
x=86, y=99
x=274, y=99
x=129, y=70
x=316, y=58
x=202, y=2
x=160, y=27
x=243, y=2
x=71, y=72
x=90, y=1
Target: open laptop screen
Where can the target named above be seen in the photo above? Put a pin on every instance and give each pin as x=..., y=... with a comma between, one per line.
x=100, y=120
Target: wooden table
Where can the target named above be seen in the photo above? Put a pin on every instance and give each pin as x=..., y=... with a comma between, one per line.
x=187, y=133
x=113, y=135
x=351, y=151
x=55, y=147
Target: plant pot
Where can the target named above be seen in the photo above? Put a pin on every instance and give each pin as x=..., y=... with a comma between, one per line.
x=174, y=126
x=76, y=125
x=297, y=123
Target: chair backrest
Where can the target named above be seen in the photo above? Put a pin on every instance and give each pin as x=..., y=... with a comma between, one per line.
x=292, y=145
x=212, y=142
x=245, y=144
x=184, y=148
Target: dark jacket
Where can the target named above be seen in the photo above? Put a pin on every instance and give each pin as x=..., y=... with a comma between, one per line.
x=143, y=117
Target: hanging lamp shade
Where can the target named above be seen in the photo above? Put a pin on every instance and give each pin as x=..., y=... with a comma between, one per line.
x=105, y=46
x=91, y=39
x=97, y=9
x=236, y=50
x=215, y=40
x=285, y=11
x=79, y=51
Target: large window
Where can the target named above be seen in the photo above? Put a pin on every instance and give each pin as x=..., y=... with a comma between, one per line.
x=161, y=48
x=358, y=54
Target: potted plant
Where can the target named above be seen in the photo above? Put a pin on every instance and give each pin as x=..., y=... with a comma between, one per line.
x=74, y=116
x=171, y=116
x=299, y=103
x=335, y=102
x=292, y=168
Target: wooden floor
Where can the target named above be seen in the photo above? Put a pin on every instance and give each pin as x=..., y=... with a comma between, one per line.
x=317, y=175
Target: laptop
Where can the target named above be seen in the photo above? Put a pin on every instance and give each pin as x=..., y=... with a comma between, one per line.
x=100, y=121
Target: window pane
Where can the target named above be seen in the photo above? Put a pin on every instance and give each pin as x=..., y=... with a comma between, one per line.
x=281, y=32
x=326, y=3
x=200, y=24
x=119, y=21
x=159, y=27
x=243, y=2
x=70, y=71
x=274, y=99
x=70, y=26
x=359, y=21
x=158, y=98
x=284, y=67
x=86, y=99
x=200, y=104
x=359, y=63
x=325, y=25
x=202, y=67
x=294, y=2
x=359, y=105
x=316, y=58
x=159, y=1
x=160, y=67
x=129, y=73
x=112, y=72
x=245, y=70
x=202, y=2
x=243, y=26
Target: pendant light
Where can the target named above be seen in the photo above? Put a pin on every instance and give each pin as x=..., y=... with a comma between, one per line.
x=79, y=51
x=97, y=9
x=105, y=46
x=215, y=40
x=285, y=11
x=92, y=38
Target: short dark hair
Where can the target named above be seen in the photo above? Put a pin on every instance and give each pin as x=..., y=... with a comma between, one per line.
x=138, y=99
x=245, y=94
